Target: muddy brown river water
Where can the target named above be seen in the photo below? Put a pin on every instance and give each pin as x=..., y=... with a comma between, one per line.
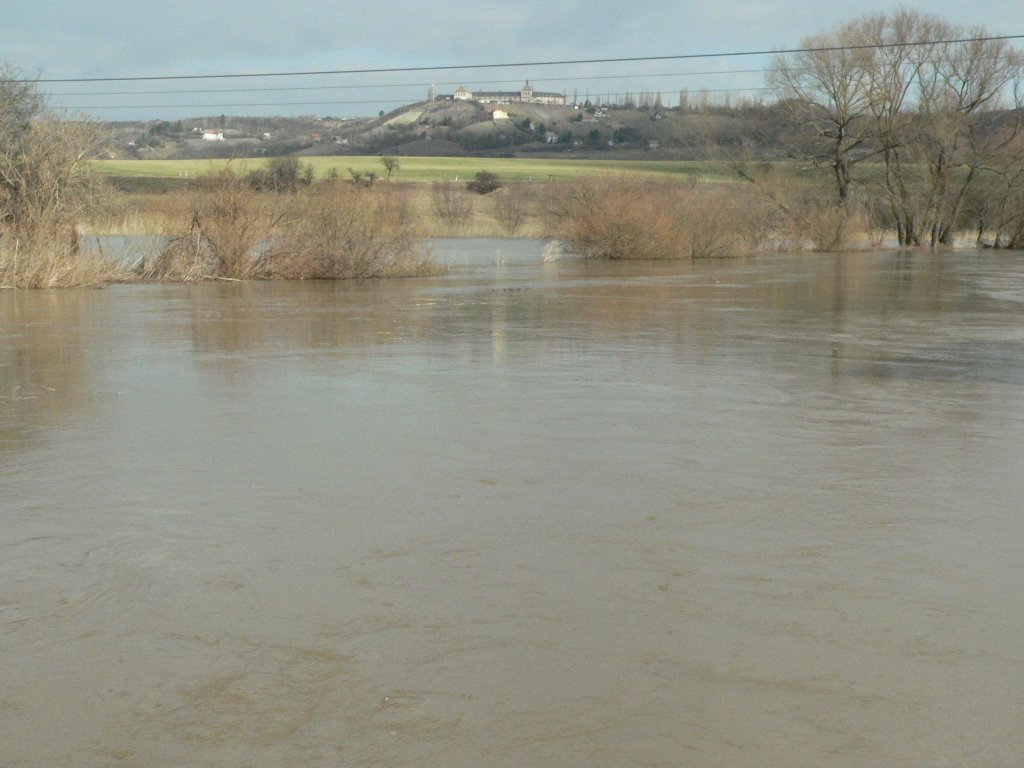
x=752, y=513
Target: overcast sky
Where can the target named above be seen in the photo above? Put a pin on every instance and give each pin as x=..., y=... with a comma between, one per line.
x=131, y=38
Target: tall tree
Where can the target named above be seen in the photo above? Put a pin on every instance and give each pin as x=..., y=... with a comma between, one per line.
x=826, y=86
x=916, y=92
x=391, y=164
x=960, y=88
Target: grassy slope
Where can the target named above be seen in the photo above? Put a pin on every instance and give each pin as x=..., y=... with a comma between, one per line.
x=432, y=168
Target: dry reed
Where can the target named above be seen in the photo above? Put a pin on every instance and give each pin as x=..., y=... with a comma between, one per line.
x=55, y=262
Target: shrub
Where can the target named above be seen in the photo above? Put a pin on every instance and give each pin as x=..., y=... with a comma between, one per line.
x=45, y=189
x=510, y=208
x=826, y=225
x=337, y=231
x=230, y=233
x=281, y=174
x=621, y=219
x=452, y=206
x=483, y=183
x=832, y=227
x=362, y=178
x=329, y=230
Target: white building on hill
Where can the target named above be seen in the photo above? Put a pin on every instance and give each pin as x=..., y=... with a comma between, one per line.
x=526, y=95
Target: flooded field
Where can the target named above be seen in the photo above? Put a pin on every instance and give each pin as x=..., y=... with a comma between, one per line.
x=746, y=513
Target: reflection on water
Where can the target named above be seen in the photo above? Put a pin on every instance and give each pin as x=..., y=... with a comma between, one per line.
x=746, y=513
x=46, y=375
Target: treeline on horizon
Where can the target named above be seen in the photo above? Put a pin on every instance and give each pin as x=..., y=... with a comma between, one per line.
x=901, y=122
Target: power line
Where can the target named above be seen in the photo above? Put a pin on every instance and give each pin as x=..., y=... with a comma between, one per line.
x=521, y=64
x=365, y=86
x=368, y=86
x=425, y=84
x=223, y=105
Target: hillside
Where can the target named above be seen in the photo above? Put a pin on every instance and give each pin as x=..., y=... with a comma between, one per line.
x=465, y=128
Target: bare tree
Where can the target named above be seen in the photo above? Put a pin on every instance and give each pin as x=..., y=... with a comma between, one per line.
x=20, y=104
x=894, y=70
x=827, y=88
x=391, y=164
x=997, y=205
x=452, y=206
x=960, y=87
x=915, y=92
x=511, y=206
x=45, y=183
x=933, y=105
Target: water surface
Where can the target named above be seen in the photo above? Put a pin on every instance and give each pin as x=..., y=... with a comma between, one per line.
x=751, y=513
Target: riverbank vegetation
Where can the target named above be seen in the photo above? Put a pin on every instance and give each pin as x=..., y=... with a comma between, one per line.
x=235, y=230
x=46, y=189
x=622, y=219
x=900, y=130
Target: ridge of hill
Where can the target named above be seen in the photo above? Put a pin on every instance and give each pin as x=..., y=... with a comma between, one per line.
x=463, y=128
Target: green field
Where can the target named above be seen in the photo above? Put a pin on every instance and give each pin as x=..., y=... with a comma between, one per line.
x=421, y=169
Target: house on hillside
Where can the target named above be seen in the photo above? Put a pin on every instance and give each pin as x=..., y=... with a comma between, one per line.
x=525, y=95
x=213, y=135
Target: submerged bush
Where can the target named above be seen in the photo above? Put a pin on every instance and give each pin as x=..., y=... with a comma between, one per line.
x=812, y=219
x=328, y=230
x=623, y=219
x=230, y=233
x=340, y=231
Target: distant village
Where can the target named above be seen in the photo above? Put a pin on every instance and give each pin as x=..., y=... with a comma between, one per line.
x=467, y=121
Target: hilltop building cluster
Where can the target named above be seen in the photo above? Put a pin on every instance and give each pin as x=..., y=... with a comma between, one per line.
x=525, y=95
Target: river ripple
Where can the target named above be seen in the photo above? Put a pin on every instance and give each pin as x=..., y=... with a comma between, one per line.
x=752, y=513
